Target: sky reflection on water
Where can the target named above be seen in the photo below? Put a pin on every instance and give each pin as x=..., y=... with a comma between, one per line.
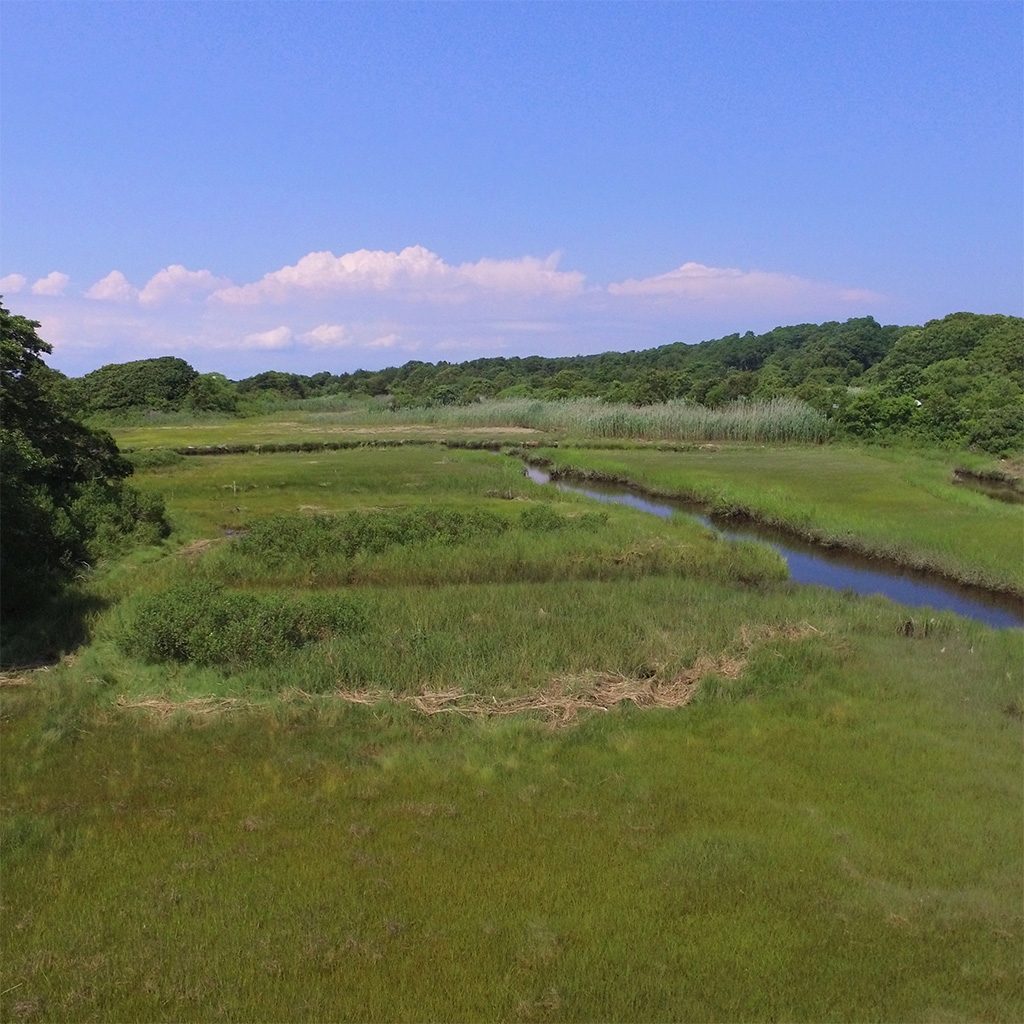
x=827, y=568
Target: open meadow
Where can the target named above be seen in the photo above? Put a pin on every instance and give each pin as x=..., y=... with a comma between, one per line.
x=389, y=732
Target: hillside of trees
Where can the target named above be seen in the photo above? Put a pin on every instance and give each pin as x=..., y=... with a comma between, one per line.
x=955, y=381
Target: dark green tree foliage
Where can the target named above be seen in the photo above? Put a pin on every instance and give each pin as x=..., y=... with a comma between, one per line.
x=211, y=392
x=955, y=381
x=161, y=383
x=714, y=372
x=958, y=380
x=62, y=497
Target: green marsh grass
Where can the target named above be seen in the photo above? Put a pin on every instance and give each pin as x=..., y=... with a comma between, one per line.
x=840, y=842
x=896, y=504
x=831, y=832
x=531, y=541
x=778, y=420
x=207, y=495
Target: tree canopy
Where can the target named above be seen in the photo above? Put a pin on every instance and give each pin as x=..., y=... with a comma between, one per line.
x=955, y=381
x=62, y=499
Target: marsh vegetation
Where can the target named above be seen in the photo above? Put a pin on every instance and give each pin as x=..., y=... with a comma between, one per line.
x=354, y=722
x=390, y=733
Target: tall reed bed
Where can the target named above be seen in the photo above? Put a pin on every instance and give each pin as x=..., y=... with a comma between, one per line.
x=781, y=419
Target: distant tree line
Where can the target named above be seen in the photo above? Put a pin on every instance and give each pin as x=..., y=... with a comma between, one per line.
x=955, y=381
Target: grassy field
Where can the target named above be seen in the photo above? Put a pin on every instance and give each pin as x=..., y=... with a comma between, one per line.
x=418, y=740
x=331, y=419
x=900, y=505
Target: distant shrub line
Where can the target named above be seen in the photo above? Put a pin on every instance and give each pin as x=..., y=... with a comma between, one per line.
x=954, y=382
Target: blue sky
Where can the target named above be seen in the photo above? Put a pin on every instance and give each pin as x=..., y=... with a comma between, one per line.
x=309, y=186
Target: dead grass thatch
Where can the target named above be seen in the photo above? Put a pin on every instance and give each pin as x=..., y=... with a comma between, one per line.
x=199, y=707
x=560, y=702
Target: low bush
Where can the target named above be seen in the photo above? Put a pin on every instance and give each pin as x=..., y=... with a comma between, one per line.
x=115, y=516
x=288, y=535
x=541, y=517
x=154, y=458
x=203, y=623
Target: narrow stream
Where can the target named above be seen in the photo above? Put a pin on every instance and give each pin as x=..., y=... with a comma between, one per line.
x=839, y=570
x=998, y=490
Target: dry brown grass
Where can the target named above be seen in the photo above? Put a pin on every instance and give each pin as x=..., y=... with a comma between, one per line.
x=560, y=702
x=199, y=707
x=196, y=548
x=14, y=679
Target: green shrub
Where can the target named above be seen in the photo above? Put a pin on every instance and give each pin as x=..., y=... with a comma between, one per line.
x=114, y=515
x=542, y=518
x=288, y=535
x=154, y=458
x=203, y=623
x=591, y=522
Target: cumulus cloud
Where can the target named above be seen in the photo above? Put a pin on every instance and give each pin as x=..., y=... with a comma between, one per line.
x=115, y=287
x=176, y=284
x=385, y=341
x=12, y=283
x=53, y=284
x=279, y=337
x=525, y=276
x=373, y=308
x=719, y=285
x=415, y=272
x=327, y=335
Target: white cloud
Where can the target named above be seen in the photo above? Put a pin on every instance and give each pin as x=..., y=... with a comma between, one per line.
x=370, y=309
x=414, y=272
x=327, y=335
x=525, y=276
x=12, y=283
x=53, y=284
x=386, y=341
x=115, y=287
x=721, y=285
x=279, y=337
x=176, y=284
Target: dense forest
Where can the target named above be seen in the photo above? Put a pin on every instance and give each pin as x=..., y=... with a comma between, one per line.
x=955, y=381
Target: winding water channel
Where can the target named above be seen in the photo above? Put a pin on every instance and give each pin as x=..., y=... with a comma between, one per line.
x=823, y=566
